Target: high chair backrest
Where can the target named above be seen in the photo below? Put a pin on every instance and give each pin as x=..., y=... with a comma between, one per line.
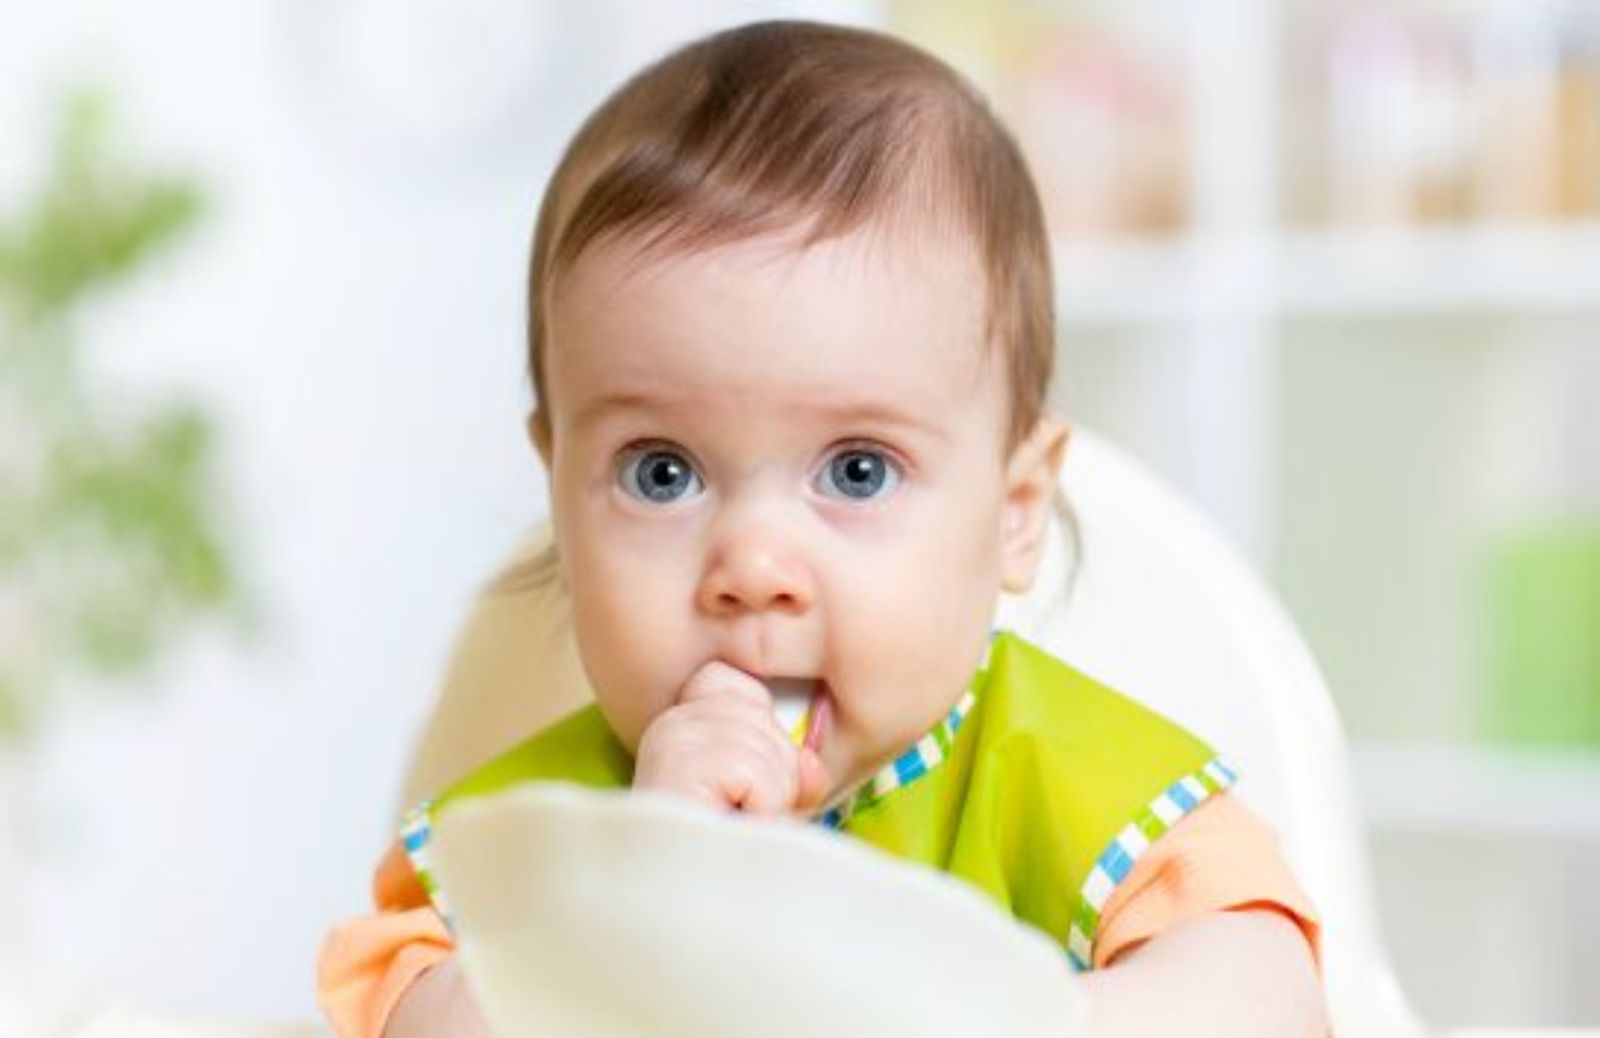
x=1163, y=610
x=1156, y=605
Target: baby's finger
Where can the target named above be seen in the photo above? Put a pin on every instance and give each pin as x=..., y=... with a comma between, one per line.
x=769, y=786
x=719, y=680
x=717, y=717
x=726, y=752
x=813, y=781
x=740, y=729
x=767, y=773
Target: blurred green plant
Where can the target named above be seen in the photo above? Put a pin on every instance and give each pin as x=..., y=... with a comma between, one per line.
x=109, y=543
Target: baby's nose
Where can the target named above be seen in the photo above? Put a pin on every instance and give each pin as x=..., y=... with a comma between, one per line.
x=756, y=568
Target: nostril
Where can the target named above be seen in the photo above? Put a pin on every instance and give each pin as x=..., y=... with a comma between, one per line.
x=752, y=581
x=782, y=601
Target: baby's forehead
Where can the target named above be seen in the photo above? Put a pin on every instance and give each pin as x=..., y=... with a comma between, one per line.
x=860, y=316
x=885, y=273
x=913, y=247
x=867, y=283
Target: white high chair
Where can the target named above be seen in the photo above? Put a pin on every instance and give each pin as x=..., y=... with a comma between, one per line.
x=1164, y=611
x=1160, y=609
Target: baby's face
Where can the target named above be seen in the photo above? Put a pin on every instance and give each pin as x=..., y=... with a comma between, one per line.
x=790, y=461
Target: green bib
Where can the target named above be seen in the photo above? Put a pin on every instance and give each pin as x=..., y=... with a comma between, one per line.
x=1041, y=788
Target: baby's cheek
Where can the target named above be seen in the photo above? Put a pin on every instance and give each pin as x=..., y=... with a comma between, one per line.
x=933, y=623
x=630, y=650
x=938, y=595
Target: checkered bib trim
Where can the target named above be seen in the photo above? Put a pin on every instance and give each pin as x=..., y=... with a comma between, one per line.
x=927, y=754
x=1116, y=861
x=416, y=831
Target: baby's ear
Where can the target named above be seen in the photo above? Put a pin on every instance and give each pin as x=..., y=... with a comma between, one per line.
x=538, y=426
x=1029, y=493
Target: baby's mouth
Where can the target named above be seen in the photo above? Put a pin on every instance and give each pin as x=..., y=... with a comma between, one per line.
x=804, y=707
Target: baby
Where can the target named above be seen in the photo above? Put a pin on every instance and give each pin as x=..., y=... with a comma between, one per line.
x=791, y=333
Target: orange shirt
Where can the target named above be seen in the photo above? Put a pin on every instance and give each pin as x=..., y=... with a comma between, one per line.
x=1218, y=858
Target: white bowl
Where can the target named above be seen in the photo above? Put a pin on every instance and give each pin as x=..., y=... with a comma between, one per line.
x=582, y=913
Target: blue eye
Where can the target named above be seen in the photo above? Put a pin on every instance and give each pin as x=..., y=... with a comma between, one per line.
x=859, y=474
x=657, y=475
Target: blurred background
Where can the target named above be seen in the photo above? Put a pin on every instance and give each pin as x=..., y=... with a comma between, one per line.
x=1332, y=266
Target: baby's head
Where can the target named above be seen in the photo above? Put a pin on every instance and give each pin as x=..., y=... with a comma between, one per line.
x=791, y=334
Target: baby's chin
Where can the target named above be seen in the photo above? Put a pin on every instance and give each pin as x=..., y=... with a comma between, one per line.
x=848, y=767
x=853, y=756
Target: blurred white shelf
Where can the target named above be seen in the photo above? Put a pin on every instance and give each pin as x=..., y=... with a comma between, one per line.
x=1122, y=282
x=1342, y=275
x=1476, y=791
x=1442, y=271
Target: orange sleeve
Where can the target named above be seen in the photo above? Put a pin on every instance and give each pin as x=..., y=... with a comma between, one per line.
x=367, y=963
x=1219, y=858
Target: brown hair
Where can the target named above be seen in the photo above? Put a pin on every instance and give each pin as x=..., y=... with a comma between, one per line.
x=796, y=125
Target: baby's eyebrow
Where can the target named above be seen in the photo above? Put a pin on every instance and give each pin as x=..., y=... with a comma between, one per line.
x=872, y=412
x=597, y=409
x=856, y=412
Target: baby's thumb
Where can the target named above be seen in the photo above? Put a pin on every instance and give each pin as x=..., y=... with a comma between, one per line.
x=814, y=782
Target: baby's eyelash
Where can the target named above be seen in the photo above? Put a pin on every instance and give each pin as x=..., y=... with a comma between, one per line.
x=895, y=457
x=634, y=448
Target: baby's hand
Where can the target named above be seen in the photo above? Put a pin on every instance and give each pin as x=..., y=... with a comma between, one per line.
x=721, y=744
